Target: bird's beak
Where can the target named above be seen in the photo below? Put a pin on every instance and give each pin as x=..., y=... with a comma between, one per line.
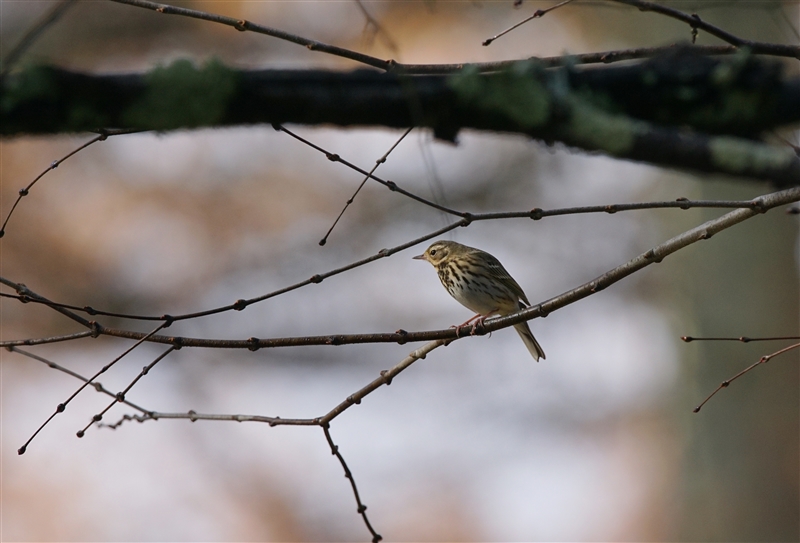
x=419, y=257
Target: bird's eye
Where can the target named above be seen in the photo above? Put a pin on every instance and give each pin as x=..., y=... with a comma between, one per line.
x=433, y=252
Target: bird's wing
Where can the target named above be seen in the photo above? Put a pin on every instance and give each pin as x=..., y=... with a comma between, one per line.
x=497, y=271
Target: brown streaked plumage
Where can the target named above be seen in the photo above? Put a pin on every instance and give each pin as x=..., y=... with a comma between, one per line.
x=479, y=282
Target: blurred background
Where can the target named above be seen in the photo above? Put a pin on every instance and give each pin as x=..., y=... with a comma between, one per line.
x=476, y=442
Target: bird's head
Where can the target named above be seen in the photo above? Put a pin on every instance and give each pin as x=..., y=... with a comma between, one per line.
x=439, y=252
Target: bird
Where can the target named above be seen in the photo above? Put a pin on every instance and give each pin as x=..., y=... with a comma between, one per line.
x=479, y=282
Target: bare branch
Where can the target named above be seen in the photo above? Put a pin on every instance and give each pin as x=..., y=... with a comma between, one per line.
x=391, y=185
x=26, y=296
x=243, y=25
x=97, y=386
x=62, y=406
x=378, y=162
x=119, y=397
x=743, y=339
x=695, y=21
x=377, y=28
x=11, y=343
x=104, y=134
x=537, y=14
x=362, y=509
x=33, y=34
x=727, y=382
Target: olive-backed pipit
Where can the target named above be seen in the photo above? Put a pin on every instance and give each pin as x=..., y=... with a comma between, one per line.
x=480, y=283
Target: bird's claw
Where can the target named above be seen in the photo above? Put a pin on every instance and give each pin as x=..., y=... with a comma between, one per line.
x=458, y=329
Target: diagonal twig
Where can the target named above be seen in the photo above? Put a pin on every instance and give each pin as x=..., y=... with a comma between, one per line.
x=97, y=386
x=33, y=34
x=694, y=21
x=63, y=405
x=391, y=185
x=104, y=134
x=727, y=382
x=537, y=14
x=378, y=162
x=119, y=397
x=244, y=25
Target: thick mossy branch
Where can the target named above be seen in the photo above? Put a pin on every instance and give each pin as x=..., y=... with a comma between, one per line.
x=44, y=99
x=182, y=96
x=681, y=110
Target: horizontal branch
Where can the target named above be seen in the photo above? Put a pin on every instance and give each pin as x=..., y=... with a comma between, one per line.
x=10, y=343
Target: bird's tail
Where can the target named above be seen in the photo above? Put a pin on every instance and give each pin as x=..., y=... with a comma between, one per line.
x=530, y=342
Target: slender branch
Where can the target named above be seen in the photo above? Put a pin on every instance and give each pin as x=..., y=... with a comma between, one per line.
x=119, y=397
x=653, y=256
x=97, y=386
x=62, y=406
x=391, y=65
x=537, y=14
x=727, y=382
x=695, y=21
x=33, y=34
x=11, y=343
x=378, y=162
x=362, y=509
x=743, y=339
x=104, y=134
x=244, y=25
x=391, y=185
x=26, y=295
x=385, y=378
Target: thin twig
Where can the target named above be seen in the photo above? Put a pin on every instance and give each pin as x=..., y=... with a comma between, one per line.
x=727, y=382
x=391, y=65
x=391, y=185
x=378, y=162
x=538, y=13
x=362, y=509
x=743, y=339
x=62, y=406
x=97, y=386
x=10, y=343
x=119, y=397
x=244, y=25
x=694, y=21
x=104, y=134
x=371, y=22
x=33, y=34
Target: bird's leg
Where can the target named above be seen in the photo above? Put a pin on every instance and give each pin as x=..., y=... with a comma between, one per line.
x=462, y=325
x=479, y=319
